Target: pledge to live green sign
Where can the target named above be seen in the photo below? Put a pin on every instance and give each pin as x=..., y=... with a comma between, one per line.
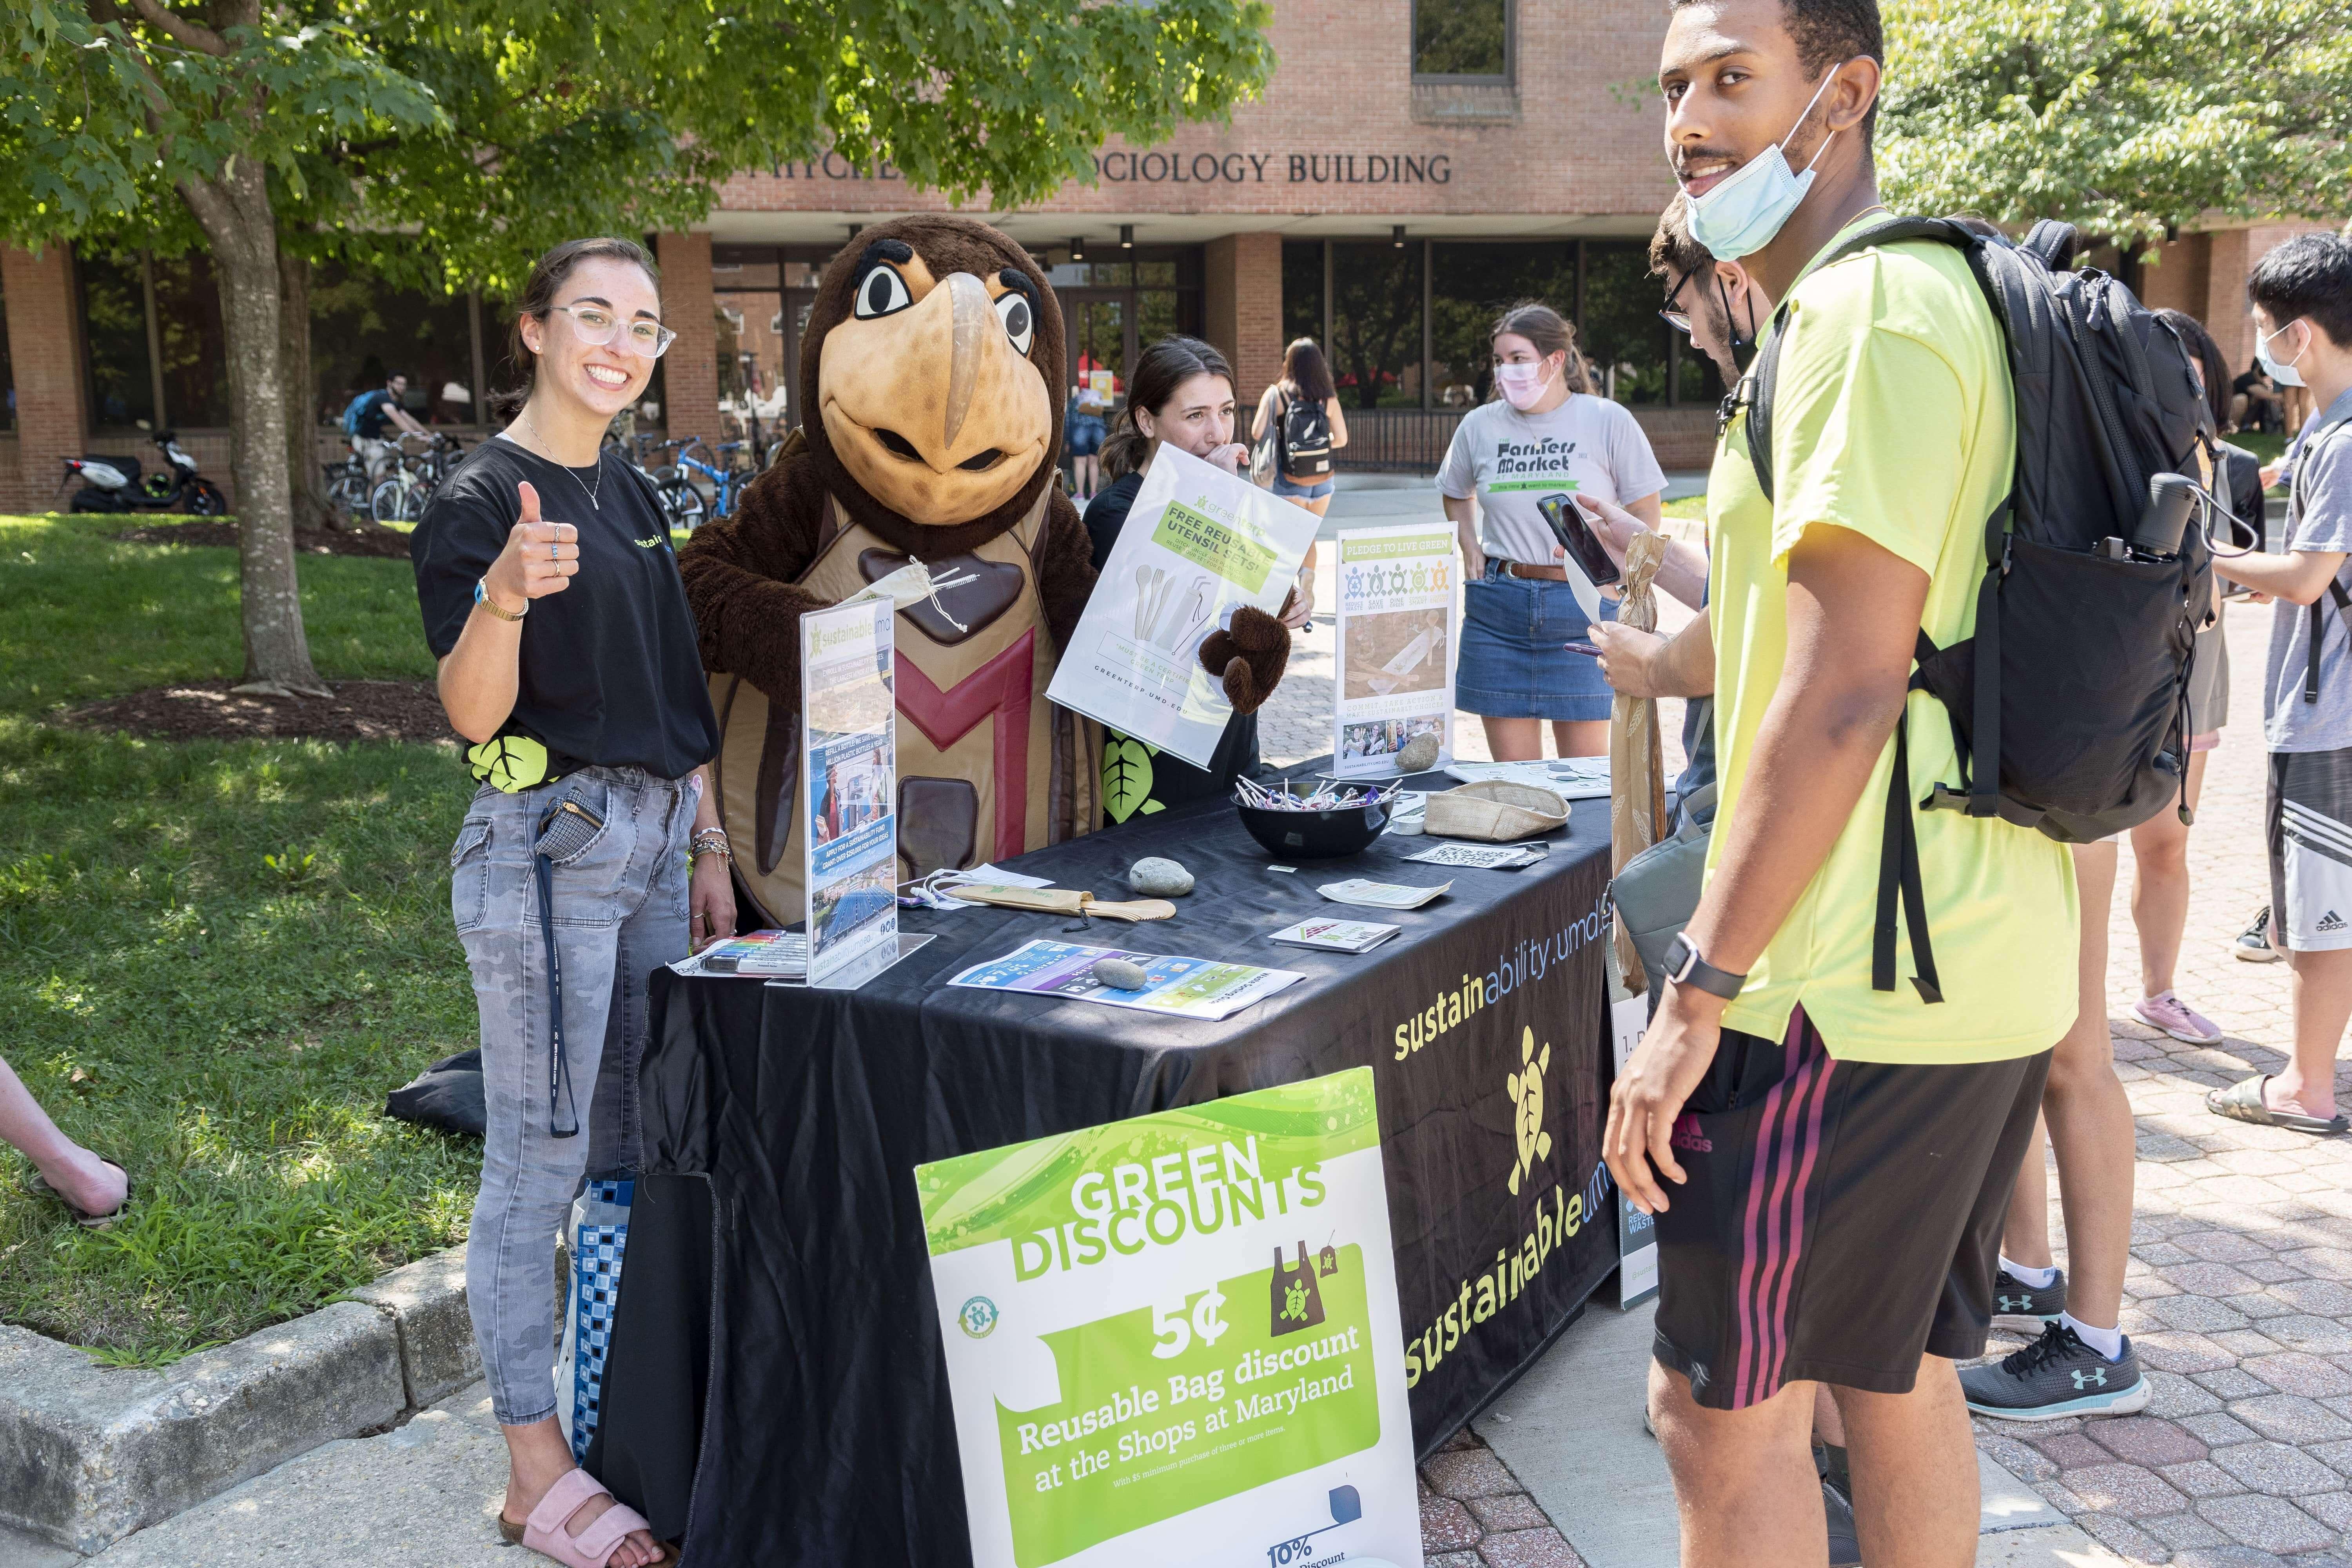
x=1175, y=1340
x=1205, y=541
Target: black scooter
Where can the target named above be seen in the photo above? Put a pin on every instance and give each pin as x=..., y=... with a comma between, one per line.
x=112, y=483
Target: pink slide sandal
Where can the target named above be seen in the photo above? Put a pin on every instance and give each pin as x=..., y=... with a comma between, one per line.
x=593, y=1546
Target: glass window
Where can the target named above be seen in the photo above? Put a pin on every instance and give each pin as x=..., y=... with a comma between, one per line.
x=195, y=345
x=114, y=335
x=1470, y=286
x=1622, y=331
x=1375, y=346
x=363, y=331
x=1302, y=289
x=1462, y=39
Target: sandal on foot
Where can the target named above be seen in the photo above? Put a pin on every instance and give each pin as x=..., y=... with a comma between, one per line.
x=37, y=1182
x=2244, y=1102
x=593, y=1547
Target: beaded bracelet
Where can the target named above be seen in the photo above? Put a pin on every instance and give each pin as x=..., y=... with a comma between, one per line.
x=710, y=841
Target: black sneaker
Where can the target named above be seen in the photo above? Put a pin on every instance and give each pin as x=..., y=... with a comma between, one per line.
x=2017, y=1305
x=1837, y=1507
x=2056, y=1375
x=2253, y=944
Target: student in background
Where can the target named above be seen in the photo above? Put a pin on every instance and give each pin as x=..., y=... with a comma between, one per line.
x=1545, y=433
x=1082, y=437
x=1303, y=471
x=2301, y=296
x=378, y=424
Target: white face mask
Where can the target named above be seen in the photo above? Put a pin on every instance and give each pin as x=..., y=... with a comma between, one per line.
x=1523, y=385
x=2279, y=371
x=1741, y=216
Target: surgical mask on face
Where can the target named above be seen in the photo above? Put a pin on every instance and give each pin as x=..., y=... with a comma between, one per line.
x=1740, y=217
x=1523, y=385
x=2279, y=371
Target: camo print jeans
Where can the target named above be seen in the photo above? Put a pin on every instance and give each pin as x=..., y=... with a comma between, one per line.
x=620, y=914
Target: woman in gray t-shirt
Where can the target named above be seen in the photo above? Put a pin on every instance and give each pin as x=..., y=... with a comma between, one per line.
x=1543, y=434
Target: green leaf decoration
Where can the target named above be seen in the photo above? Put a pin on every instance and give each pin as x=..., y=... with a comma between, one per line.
x=1127, y=778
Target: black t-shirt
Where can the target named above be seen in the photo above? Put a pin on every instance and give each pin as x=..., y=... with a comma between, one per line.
x=1174, y=781
x=610, y=675
x=371, y=420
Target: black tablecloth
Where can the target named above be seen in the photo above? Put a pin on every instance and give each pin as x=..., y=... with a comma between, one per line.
x=775, y=1390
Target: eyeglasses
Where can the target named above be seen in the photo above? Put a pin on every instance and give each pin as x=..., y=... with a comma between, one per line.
x=597, y=326
x=1672, y=313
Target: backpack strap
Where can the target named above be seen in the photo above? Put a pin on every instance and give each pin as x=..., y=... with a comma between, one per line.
x=2335, y=586
x=1898, y=871
x=1754, y=393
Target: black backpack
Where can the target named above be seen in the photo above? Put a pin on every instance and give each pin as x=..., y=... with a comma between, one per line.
x=1303, y=439
x=2070, y=705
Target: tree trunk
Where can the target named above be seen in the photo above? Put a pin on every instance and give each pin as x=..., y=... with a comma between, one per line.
x=235, y=211
x=302, y=477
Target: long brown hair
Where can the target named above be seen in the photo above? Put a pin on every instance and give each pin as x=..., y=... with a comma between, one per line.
x=548, y=276
x=1307, y=373
x=1160, y=369
x=1551, y=333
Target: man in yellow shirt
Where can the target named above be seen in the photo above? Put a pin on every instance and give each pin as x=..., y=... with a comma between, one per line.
x=1829, y=1162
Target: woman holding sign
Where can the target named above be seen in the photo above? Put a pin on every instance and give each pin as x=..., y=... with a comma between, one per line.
x=567, y=655
x=1545, y=434
x=1181, y=395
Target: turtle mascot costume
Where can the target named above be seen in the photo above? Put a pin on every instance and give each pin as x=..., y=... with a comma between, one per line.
x=933, y=365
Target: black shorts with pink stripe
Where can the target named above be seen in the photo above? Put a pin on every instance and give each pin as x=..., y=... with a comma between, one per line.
x=1840, y=1219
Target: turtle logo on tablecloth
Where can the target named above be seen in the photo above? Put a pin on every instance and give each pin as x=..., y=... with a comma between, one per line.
x=1527, y=1091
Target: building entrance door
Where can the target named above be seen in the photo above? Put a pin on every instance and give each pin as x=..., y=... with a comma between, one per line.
x=1100, y=328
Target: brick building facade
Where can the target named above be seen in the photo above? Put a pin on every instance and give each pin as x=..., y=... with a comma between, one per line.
x=1384, y=197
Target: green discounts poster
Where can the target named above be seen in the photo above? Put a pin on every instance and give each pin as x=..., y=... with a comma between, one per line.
x=1173, y=1340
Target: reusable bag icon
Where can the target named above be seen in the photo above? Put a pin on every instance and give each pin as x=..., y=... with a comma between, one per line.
x=1298, y=1299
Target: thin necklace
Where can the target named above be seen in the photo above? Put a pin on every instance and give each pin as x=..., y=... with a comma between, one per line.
x=590, y=493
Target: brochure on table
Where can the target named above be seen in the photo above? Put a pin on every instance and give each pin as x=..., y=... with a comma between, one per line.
x=1188, y=987
x=1199, y=543
x=849, y=757
x=1394, y=678
x=1172, y=1340
x=1570, y=778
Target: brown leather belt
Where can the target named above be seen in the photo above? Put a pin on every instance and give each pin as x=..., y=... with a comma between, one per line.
x=1535, y=573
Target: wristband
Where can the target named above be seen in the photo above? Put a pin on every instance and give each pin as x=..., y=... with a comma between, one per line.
x=482, y=597
x=1685, y=966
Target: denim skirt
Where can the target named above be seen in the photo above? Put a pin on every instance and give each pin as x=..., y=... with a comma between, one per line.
x=1513, y=664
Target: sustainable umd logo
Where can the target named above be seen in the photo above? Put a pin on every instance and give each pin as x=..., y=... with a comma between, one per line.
x=1527, y=1091
x=977, y=1318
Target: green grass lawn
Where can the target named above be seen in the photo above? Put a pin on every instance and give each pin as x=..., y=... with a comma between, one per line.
x=215, y=958
x=2267, y=445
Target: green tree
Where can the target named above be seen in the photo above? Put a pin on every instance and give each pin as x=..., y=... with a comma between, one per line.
x=445, y=143
x=2127, y=118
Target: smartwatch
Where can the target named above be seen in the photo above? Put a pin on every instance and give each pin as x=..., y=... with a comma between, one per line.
x=1684, y=967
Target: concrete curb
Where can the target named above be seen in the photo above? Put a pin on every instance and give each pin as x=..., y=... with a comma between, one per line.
x=88, y=1453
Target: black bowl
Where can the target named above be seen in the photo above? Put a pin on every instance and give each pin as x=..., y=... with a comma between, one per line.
x=1314, y=835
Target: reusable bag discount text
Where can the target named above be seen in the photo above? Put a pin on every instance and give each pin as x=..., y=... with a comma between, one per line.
x=1198, y=544
x=1175, y=1340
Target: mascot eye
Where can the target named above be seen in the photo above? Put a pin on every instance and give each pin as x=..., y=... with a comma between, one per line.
x=1019, y=318
x=881, y=293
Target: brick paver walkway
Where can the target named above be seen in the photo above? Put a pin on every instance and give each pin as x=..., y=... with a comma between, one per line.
x=2240, y=1291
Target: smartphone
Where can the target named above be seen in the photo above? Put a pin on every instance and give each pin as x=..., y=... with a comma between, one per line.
x=1583, y=647
x=1576, y=536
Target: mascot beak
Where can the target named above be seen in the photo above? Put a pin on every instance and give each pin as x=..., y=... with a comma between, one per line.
x=934, y=408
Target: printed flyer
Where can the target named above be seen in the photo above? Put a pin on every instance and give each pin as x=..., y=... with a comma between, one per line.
x=1395, y=674
x=1199, y=543
x=1173, y=1340
x=1189, y=988
x=849, y=756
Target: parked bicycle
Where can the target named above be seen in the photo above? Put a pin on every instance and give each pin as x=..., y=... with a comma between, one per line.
x=347, y=488
x=400, y=495
x=683, y=498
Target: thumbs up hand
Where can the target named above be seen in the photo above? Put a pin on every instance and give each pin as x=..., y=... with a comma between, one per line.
x=540, y=557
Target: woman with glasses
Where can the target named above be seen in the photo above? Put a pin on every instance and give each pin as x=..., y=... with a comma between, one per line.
x=567, y=657
x=1543, y=433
